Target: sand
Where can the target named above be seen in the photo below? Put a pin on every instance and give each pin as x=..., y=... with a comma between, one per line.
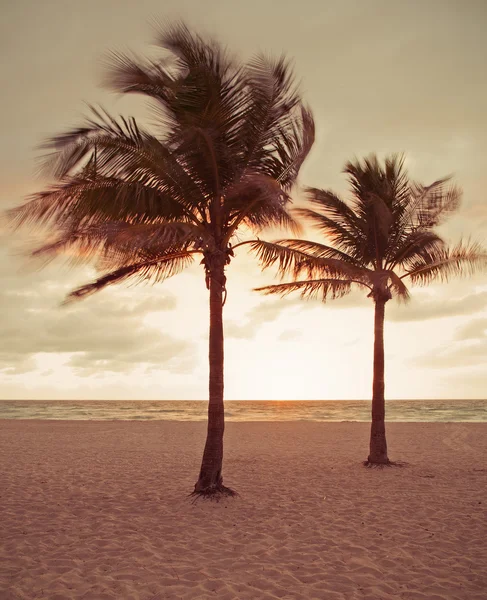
x=99, y=510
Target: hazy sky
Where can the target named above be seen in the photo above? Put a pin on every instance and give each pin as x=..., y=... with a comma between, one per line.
x=381, y=76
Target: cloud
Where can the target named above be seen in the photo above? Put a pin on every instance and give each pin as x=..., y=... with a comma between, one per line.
x=422, y=307
x=437, y=308
x=356, y=299
x=16, y=364
x=269, y=310
x=468, y=348
x=242, y=332
x=460, y=355
x=105, y=333
x=289, y=334
x=262, y=313
x=475, y=377
x=475, y=329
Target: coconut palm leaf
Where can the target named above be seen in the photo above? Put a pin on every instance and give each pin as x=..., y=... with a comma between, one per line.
x=291, y=260
x=466, y=258
x=327, y=203
x=339, y=233
x=432, y=205
x=127, y=74
x=127, y=154
x=79, y=201
x=122, y=242
x=153, y=269
x=318, y=250
x=409, y=245
x=257, y=201
x=272, y=100
x=323, y=289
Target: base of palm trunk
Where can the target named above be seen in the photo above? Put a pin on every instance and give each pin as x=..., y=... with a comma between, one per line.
x=377, y=461
x=212, y=492
x=380, y=463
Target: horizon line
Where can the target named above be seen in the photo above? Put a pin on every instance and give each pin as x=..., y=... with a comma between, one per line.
x=231, y=400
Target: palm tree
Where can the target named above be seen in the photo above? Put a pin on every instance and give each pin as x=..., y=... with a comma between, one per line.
x=379, y=240
x=229, y=140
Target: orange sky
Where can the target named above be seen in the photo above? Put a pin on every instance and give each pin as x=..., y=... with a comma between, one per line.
x=380, y=76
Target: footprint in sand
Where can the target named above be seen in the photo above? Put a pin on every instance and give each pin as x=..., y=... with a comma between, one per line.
x=456, y=439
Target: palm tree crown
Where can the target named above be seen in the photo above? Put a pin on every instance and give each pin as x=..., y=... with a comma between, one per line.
x=383, y=236
x=227, y=145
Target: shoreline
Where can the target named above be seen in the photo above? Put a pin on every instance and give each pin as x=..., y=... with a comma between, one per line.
x=99, y=509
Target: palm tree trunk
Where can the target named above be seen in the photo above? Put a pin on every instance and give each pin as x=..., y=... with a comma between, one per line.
x=210, y=478
x=378, y=444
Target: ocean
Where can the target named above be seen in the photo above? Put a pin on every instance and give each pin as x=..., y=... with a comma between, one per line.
x=443, y=411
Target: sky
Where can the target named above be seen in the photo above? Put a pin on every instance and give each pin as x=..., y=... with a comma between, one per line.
x=380, y=76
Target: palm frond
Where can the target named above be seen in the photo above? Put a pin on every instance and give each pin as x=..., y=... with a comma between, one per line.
x=148, y=237
x=292, y=147
x=192, y=51
x=294, y=262
x=154, y=269
x=405, y=250
x=332, y=206
x=257, y=201
x=379, y=195
x=319, y=250
x=208, y=96
x=79, y=201
x=278, y=131
x=389, y=182
x=129, y=74
x=323, y=289
x=69, y=150
x=398, y=287
x=406, y=210
x=126, y=152
x=466, y=258
x=435, y=203
x=273, y=98
x=340, y=234
x=396, y=174
x=125, y=242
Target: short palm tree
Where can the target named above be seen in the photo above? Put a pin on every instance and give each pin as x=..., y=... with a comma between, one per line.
x=228, y=143
x=379, y=240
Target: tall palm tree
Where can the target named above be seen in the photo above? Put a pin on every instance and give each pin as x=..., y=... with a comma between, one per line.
x=227, y=145
x=382, y=238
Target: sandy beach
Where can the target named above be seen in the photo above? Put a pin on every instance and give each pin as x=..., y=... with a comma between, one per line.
x=99, y=510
